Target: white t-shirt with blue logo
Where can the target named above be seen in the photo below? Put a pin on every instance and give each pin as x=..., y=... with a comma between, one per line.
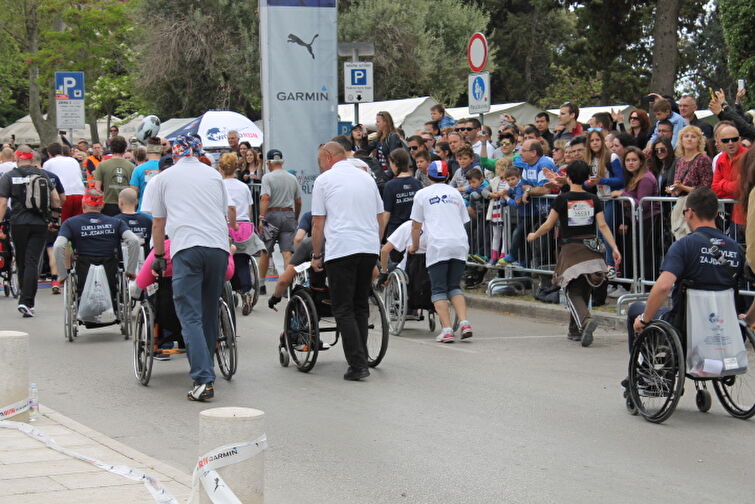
x=442, y=211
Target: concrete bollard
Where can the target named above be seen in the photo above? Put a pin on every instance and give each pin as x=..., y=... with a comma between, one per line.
x=222, y=426
x=14, y=371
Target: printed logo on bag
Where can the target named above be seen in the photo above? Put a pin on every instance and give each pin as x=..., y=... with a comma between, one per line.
x=580, y=213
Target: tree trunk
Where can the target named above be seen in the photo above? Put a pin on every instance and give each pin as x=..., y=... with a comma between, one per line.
x=665, y=50
x=92, y=121
x=46, y=127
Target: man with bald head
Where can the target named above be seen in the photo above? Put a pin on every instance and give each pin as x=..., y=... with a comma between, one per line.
x=726, y=176
x=346, y=230
x=7, y=160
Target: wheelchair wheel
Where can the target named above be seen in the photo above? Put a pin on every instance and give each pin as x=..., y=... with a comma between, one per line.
x=301, y=331
x=255, y=271
x=70, y=325
x=230, y=300
x=431, y=321
x=396, y=301
x=656, y=371
x=13, y=286
x=144, y=343
x=703, y=400
x=226, y=352
x=124, y=306
x=737, y=393
x=377, y=331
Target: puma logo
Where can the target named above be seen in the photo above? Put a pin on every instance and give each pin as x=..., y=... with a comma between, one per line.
x=296, y=40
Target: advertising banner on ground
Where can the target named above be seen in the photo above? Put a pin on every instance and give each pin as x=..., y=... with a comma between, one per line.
x=298, y=45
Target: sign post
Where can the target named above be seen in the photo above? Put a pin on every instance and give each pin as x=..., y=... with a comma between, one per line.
x=69, y=100
x=357, y=76
x=478, y=82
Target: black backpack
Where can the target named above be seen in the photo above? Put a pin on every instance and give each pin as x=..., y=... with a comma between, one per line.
x=34, y=191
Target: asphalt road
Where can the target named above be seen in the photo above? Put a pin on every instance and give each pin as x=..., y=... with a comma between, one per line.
x=518, y=414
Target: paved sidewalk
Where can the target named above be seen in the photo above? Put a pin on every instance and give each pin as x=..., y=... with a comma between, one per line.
x=30, y=472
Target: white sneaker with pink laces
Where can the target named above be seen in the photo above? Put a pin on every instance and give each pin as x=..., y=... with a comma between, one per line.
x=445, y=336
x=466, y=329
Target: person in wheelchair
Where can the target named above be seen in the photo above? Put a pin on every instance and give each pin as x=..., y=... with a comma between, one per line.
x=96, y=240
x=704, y=259
x=162, y=300
x=413, y=264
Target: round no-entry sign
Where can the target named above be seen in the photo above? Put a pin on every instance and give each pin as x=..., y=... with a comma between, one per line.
x=477, y=52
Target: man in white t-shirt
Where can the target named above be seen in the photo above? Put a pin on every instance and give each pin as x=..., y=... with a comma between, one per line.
x=346, y=230
x=199, y=251
x=7, y=160
x=439, y=210
x=68, y=171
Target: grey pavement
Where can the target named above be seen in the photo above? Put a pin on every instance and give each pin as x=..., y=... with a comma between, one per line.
x=518, y=415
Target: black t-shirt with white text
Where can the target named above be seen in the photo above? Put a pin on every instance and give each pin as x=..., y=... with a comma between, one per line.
x=576, y=213
x=140, y=224
x=93, y=234
x=398, y=198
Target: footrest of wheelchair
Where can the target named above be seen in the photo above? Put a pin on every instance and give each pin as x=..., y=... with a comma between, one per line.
x=169, y=351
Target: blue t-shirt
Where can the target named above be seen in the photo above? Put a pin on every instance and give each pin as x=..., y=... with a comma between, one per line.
x=698, y=257
x=142, y=174
x=93, y=234
x=533, y=174
x=140, y=224
x=305, y=223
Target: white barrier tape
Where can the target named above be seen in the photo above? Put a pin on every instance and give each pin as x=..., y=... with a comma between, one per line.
x=160, y=494
x=14, y=409
x=205, y=470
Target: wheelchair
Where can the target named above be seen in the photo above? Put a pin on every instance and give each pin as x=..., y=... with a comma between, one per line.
x=156, y=314
x=399, y=297
x=8, y=271
x=308, y=306
x=657, y=371
x=121, y=308
x=249, y=300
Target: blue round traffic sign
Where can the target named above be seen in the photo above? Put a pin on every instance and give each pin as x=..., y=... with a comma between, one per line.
x=478, y=88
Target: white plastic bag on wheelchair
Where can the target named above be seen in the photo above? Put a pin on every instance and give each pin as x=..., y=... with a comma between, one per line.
x=96, y=304
x=714, y=339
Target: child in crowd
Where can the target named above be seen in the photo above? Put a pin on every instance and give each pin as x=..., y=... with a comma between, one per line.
x=476, y=195
x=442, y=212
x=499, y=188
x=138, y=223
x=466, y=158
x=422, y=160
x=518, y=198
x=438, y=114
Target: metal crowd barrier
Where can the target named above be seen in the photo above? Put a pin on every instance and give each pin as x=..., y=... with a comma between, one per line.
x=256, y=188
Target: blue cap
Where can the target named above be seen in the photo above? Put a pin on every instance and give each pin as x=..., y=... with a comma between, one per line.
x=275, y=155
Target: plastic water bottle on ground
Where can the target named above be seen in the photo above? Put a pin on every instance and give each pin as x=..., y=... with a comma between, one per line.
x=33, y=403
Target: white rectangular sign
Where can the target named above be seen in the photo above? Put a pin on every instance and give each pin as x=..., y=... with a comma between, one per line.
x=478, y=85
x=298, y=44
x=358, y=82
x=69, y=100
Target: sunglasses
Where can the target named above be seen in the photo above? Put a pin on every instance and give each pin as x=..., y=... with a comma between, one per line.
x=506, y=143
x=413, y=147
x=594, y=129
x=660, y=151
x=464, y=129
x=634, y=118
x=730, y=140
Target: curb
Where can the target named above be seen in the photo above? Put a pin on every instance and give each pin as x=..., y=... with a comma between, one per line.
x=140, y=458
x=539, y=311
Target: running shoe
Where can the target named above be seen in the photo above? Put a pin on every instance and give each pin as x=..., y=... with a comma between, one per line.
x=445, y=336
x=26, y=311
x=55, y=287
x=201, y=392
x=466, y=329
x=502, y=262
x=587, y=332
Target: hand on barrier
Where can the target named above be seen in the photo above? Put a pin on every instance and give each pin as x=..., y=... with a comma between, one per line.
x=616, y=257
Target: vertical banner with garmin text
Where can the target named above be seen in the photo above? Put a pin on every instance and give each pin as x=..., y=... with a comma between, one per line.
x=298, y=46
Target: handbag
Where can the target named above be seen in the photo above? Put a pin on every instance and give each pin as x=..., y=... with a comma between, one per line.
x=679, y=227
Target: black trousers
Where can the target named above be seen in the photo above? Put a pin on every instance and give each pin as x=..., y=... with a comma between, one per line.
x=349, y=281
x=30, y=241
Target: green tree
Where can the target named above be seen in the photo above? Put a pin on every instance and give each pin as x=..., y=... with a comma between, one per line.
x=737, y=20
x=419, y=50
x=568, y=87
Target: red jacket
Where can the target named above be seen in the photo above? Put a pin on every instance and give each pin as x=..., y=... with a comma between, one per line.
x=726, y=181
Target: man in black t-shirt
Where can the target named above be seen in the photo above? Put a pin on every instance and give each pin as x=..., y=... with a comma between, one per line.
x=137, y=222
x=706, y=257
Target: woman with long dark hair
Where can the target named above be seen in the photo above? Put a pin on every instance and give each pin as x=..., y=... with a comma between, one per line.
x=663, y=162
x=358, y=138
x=387, y=139
x=639, y=126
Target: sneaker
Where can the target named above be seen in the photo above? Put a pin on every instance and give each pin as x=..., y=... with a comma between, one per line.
x=618, y=292
x=502, y=262
x=611, y=274
x=587, y=332
x=161, y=357
x=263, y=290
x=26, y=311
x=466, y=329
x=445, y=336
x=55, y=287
x=201, y=392
x=509, y=258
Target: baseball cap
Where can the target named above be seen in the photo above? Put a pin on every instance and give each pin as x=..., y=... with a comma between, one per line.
x=275, y=155
x=438, y=170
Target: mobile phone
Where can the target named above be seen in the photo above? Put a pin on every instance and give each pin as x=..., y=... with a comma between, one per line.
x=740, y=83
x=712, y=94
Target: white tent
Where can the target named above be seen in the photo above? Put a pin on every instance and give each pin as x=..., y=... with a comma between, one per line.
x=523, y=112
x=26, y=133
x=410, y=114
x=585, y=113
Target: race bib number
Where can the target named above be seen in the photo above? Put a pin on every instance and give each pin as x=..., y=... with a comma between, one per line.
x=580, y=213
